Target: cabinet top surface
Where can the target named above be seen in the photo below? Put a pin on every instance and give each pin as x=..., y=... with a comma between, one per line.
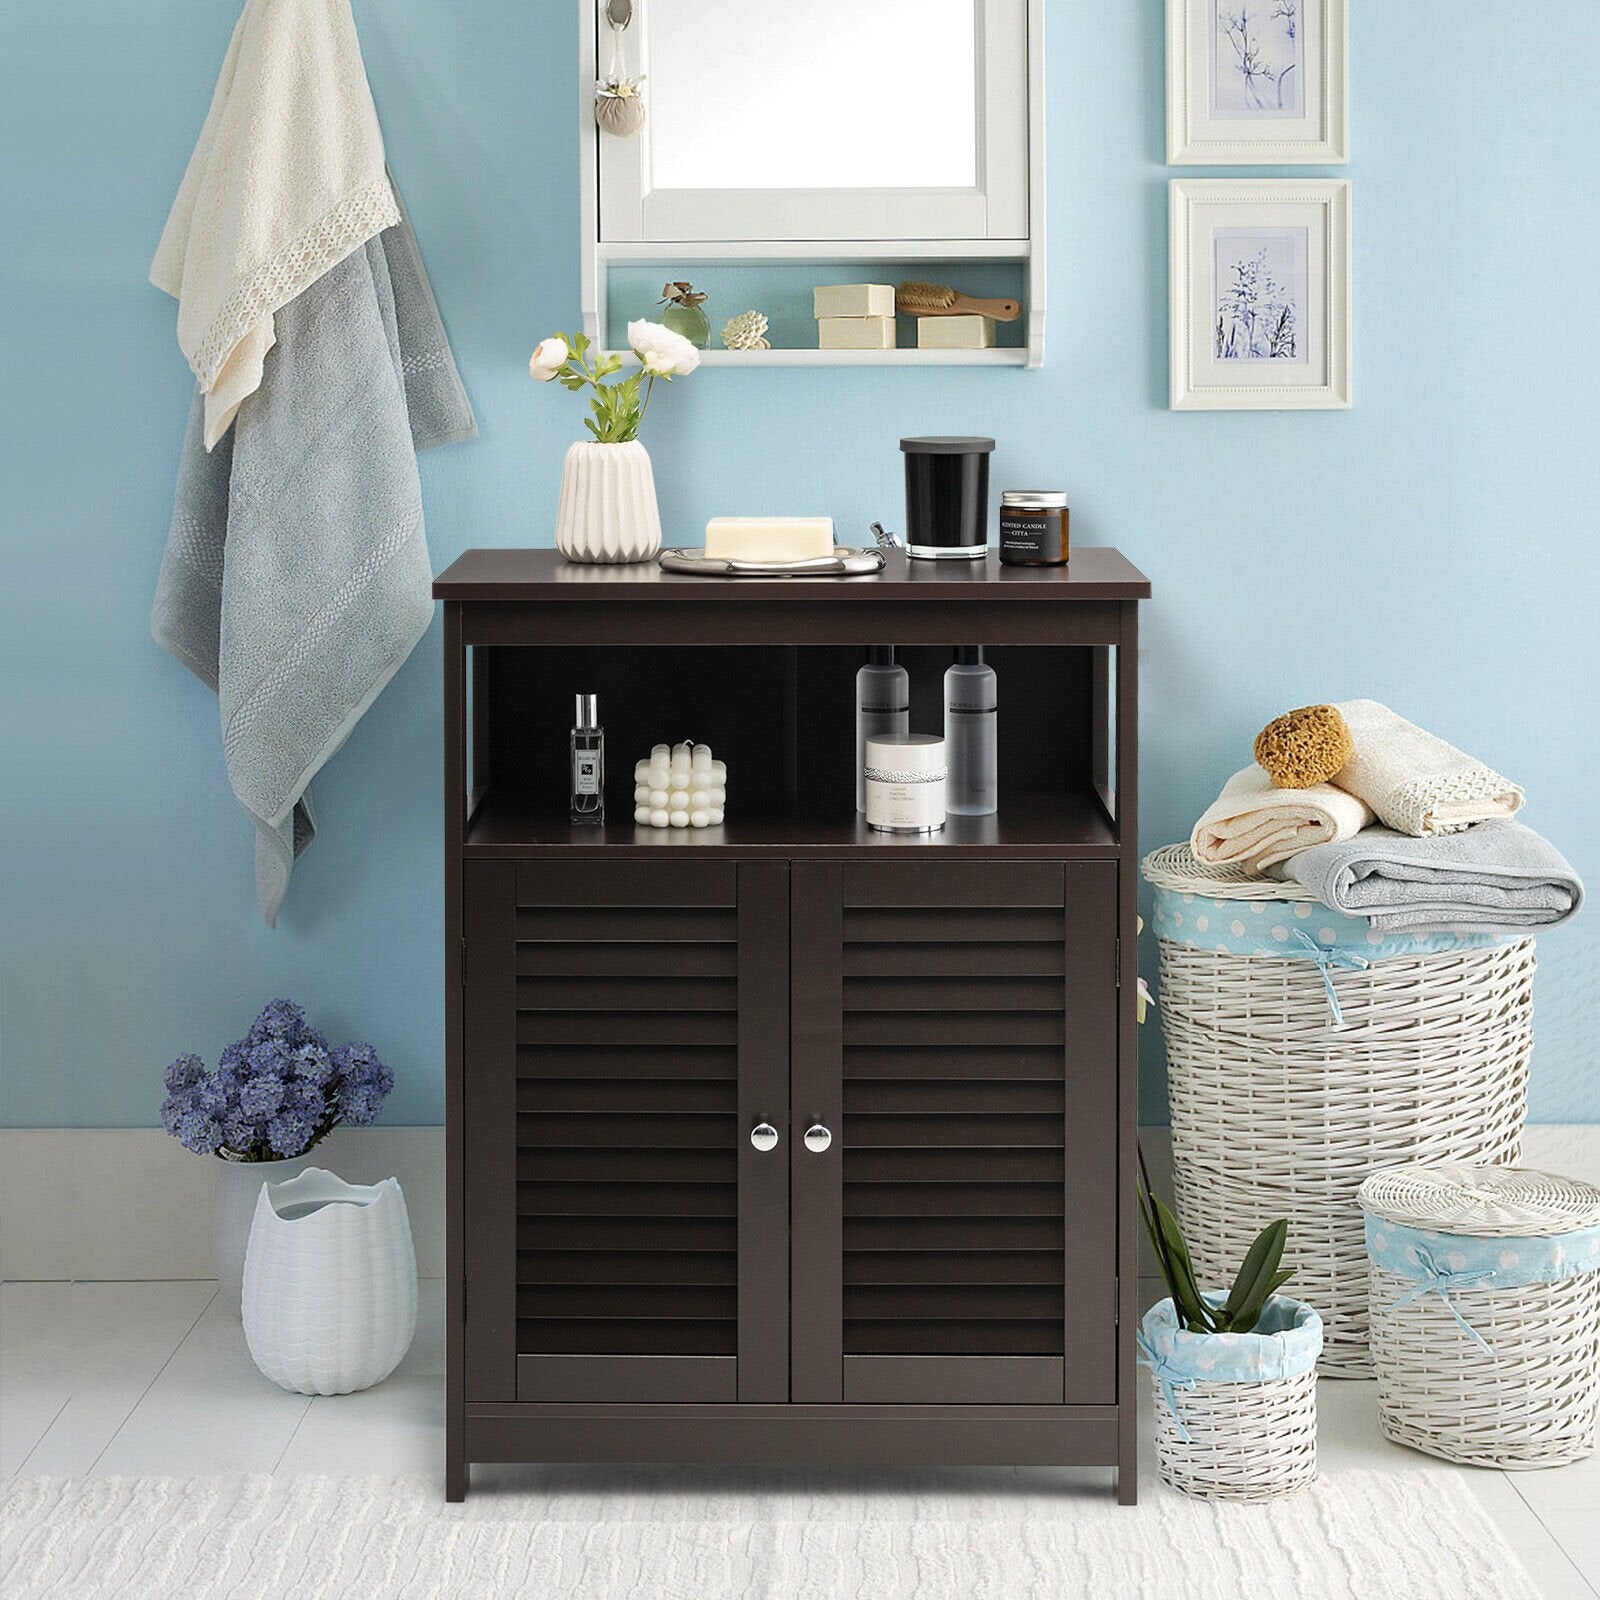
x=1095, y=573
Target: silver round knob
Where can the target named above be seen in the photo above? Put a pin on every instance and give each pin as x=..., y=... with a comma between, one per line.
x=764, y=1136
x=817, y=1138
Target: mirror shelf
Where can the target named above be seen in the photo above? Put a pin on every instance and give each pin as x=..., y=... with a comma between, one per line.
x=801, y=357
x=667, y=200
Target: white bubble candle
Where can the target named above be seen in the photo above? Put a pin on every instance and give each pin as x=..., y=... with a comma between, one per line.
x=680, y=786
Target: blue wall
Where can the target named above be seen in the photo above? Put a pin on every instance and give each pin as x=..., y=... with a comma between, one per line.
x=1433, y=547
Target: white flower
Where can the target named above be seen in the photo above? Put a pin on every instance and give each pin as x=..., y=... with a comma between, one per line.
x=548, y=358
x=661, y=352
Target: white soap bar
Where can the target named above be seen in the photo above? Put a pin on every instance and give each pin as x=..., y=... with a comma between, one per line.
x=955, y=333
x=855, y=333
x=769, y=538
x=853, y=300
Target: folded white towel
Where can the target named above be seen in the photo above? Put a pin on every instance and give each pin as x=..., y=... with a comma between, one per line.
x=1418, y=784
x=1253, y=825
x=287, y=180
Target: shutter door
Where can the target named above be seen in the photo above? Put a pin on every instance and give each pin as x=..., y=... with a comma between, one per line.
x=643, y=1216
x=954, y=1031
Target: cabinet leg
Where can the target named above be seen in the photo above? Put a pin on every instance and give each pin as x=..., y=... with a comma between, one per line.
x=1128, y=1484
x=455, y=1478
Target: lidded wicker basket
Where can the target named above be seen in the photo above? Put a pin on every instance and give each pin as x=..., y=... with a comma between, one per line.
x=1485, y=1286
x=1304, y=1053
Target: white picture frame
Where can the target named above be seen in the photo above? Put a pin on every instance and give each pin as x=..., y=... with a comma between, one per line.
x=1258, y=82
x=1260, y=273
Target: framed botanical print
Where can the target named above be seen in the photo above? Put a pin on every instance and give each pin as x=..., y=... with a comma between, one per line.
x=1260, y=271
x=1263, y=82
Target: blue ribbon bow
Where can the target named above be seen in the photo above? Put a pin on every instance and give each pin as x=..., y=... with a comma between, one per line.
x=1168, y=1376
x=1326, y=959
x=1443, y=1281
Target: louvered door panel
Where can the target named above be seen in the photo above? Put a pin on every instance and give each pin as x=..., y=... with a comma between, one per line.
x=954, y=1029
x=641, y=1025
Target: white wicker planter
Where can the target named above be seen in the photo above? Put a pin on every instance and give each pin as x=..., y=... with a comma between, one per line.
x=1240, y=1438
x=1280, y=1110
x=1485, y=1286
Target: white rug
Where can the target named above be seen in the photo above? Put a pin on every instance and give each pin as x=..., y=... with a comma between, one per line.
x=1359, y=1536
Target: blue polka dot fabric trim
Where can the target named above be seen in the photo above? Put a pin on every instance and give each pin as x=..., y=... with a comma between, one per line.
x=1463, y=1261
x=1294, y=928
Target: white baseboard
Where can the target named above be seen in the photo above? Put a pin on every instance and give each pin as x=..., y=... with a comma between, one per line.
x=114, y=1203
x=110, y=1203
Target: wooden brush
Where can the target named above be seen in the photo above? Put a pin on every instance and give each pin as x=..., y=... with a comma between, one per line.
x=935, y=300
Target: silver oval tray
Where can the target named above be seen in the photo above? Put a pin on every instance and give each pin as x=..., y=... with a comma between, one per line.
x=845, y=562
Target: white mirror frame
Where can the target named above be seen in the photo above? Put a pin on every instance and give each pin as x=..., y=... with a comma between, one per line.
x=1017, y=205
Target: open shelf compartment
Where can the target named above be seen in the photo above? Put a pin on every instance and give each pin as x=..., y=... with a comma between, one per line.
x=783, y=718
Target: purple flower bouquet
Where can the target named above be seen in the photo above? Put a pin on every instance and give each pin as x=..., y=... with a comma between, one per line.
x=275, y=1092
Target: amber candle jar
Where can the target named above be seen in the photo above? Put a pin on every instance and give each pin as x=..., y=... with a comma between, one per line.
x=1033, y=528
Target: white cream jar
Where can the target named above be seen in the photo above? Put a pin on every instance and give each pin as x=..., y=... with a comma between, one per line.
x=905, y=783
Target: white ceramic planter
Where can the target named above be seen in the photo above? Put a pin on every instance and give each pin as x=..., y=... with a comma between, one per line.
x=238, y=1189
x=330, y=1283
x=608, y=510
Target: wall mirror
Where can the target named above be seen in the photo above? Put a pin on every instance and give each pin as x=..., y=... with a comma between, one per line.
x=841, y=128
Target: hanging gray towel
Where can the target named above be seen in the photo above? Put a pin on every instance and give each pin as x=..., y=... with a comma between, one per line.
x=1497, y=876
x=296, y=578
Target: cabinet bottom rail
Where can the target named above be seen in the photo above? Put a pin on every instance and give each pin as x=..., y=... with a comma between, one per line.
x=790, y=1435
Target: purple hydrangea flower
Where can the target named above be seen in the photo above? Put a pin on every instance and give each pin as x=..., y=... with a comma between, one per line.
x=313, y=1063
x=279, y=1019
x=276, y=1091
x=199, y=1133
x=260, y=1098
x=172, y=1110
x=185, y=1073
x=289, y=1133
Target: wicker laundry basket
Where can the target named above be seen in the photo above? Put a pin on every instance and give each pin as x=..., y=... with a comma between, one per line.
x=1304, y=1054
x=1485, y=1286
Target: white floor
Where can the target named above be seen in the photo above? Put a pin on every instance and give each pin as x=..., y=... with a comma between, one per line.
x=101, y=1378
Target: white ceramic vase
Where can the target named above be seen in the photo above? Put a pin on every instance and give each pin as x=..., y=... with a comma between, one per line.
x=238, y=1189
x=330, y=1283
x=608, y=510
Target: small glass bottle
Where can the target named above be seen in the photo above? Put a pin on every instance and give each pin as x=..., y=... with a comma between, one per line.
x=883, y=708
x=685, y=313
x=588, y=762
x=970, y=734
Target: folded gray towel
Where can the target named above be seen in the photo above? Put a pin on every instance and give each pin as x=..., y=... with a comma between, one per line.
x=296, y=578
x=1498, y=875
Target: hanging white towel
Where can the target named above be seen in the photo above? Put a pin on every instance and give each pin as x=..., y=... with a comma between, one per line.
x=287, y=180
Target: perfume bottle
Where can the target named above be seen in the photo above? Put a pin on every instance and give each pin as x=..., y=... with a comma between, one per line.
x=969, y=732
x=588, y=762
x=883, y=708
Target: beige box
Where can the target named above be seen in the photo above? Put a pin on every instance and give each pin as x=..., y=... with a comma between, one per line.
x=853, y=300
x=955, y=333
x=855, y=333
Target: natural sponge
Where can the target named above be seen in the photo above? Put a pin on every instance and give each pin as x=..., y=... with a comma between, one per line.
x=1304, y=747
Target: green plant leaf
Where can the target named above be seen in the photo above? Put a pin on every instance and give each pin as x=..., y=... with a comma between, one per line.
x=1190, y=1302
x=1260, y=1261
x=1250, y=1313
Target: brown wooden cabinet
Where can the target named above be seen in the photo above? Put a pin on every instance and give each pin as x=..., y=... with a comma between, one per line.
x=786, y=1141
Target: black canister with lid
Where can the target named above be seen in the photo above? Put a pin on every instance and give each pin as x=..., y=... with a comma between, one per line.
x=1033, y=528
x=947, y=497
